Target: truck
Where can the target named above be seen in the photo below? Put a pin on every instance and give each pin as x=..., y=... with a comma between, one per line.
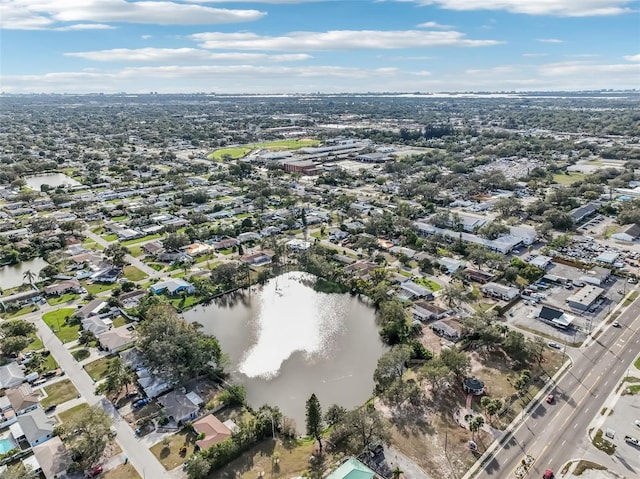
x=632, y=440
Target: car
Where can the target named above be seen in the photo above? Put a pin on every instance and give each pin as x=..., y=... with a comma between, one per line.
x=620, y=291
x=550, y=399
x=638, y=422
x=51, y=408
x=548, y=474
x=554, y=345
x=616, y=324
x=48, y=374
x=94, y=471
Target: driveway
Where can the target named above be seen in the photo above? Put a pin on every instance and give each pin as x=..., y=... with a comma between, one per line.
x=140, y=457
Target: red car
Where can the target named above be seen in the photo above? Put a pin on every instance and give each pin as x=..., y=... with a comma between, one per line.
x=550, y=399
x=95, y=471
x=548, y=474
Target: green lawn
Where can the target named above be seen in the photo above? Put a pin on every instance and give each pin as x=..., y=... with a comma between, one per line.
x=181, y=304
x=156, y=266
x=226, y=251
x=233, y=153
x=90, y=244
x=169, y=455
x=136, y=251
x=59, y=393
x=35, y=344
x=65, y=298
x=119, y=218
x=110, y=237
x=97, y=369
x=70, y=413
x=205, y=257
x=96, y=288
x=568, y=178
x=26, y=310
x=140, y=240
x=240, y=151
x=56, y=321
x=120, y=321
x=428, y=283
x=81, y=354
x=630, y=299
x=134, y=274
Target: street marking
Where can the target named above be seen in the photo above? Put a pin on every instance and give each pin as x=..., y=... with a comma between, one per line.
x=563, y=442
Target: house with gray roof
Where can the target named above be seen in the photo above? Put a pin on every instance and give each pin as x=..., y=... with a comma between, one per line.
x=11, y=375
x=53, y=458
x=34, y=427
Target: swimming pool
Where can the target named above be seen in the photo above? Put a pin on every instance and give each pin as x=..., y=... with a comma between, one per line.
x=6, y=444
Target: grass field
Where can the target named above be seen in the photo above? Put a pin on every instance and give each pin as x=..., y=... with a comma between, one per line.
x=568, y=178
x=27, y=309
x=69, y=413
x=64, y=298
x=59, y=393
x=140, y=240
x=134, y=274
x=56, y=321
x=169, y=456
x=96, y=288
x=240, y=151
x=428, y=283
x=110, y=237
x=123, y=471
x=135, y=251
x=97, y=369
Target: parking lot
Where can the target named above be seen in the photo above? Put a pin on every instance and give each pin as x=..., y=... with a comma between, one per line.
x=524, y=314
x=622, y=422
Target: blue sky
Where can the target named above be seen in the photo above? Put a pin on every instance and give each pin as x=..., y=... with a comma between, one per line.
x=298, y=46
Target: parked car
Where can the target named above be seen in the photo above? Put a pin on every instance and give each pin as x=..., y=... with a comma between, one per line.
x=615, y=324
x=94, y=471
x=550, y=399
x=554, y=345
x=141, y=402
x=638, y=422
x=51, y=408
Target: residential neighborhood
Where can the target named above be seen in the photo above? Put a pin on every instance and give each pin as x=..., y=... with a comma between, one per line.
x=139, y=254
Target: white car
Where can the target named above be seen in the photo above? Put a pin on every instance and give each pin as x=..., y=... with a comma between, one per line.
x=554, y=345
x=638, y=422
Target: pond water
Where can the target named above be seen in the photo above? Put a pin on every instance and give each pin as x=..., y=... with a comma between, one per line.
x=286, y=341
x=12, y=276
x=52, y=179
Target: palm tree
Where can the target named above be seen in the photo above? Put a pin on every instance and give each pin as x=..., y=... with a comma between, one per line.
x=397, y=472
x=29, y=276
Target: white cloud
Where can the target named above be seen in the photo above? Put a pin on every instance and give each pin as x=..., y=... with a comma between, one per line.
x=180, y=55
x=146, y=37
x=85, y=26
x=337, y=40
x=39, y=14
x=562, y=8
x=632, y=58
x=434, y=25
x=534, y=55
x=588, y=69
x=549, y=40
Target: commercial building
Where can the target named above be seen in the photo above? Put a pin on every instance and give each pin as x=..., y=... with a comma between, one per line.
x=585, y=298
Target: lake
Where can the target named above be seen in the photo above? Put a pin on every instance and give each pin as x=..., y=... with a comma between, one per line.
x=52, y=179
x=12, y=276
x=286, y=341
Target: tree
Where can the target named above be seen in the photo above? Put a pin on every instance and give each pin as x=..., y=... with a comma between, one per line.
x=397, y=473
x=48, y=271
x=366, y=426
x=88, y=433
x=71, y=226
x=198, y=467
x=334, y=414
x=522, y=383
x=453, y=294
x=457, y=361
x=86, y=336
x=116, y=253
x=29, y=276
x=11, y=345
x=19, y=471
x=175, y=348
x=475, y=425
x=436, y=373
x=17, y=327
x=491, y=406
x=118, y=375
x=391, y=366
x=314, y=420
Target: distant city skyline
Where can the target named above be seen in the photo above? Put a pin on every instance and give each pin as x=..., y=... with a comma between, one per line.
x=331, y=46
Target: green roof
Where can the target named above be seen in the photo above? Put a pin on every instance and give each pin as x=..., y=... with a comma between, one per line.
x=352, y=469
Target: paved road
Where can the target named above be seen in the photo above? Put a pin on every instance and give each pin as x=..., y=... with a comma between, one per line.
x=557, y=433
x=140, y=457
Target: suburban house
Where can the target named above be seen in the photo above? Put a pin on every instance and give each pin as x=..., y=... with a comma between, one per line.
x=583, y=212
x=257, y=259
x=445, y=330
x=24, y=298
x=173, y=287
x=153, y=248
x=34, y=427
x=451, y=265
x=500, y=291
x=225, y=243
x=555, y=317
x=63, y=287
x=151, y=384
x=213, y=429
x=107, y=275
x=628, y=233
x=117, y=339
x=411, y=290
x=298, y=245
x=197, y=249
x=11, y=375
x=132, y=298
x=352, y=469
x=248, y=236
x=181, y=407
x=423, y=311
x=477, y=275
x=53, y=458
x=23, y=399
x=92, y=308
x=96, y=324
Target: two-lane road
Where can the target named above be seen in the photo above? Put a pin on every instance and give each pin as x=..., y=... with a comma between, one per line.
x=552, y=433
